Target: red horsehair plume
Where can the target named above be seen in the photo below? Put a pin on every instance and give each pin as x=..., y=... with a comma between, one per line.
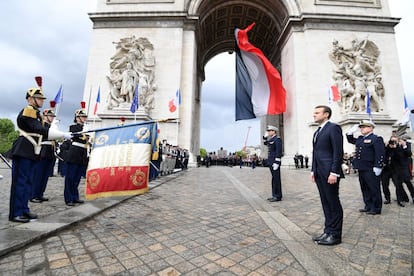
x=83, y=104
x=52, y=104
x=38, y=80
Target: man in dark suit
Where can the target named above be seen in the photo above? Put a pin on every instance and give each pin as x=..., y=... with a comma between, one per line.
x=369, y=161
x=326, y=172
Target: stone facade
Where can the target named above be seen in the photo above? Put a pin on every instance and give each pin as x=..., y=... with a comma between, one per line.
x=304, y=39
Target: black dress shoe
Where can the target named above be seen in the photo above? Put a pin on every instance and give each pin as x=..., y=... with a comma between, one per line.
x=44, y=199
x=275, y=199
x=70, y=203
x=374, y=213
x=30, y=216
x=387, y=201
x=320, y=237
x=36, y=200
x=401, y=204
x=21, y=219
x=329, y=240
x=78, y=201
x=270, y=198
x=363, y=210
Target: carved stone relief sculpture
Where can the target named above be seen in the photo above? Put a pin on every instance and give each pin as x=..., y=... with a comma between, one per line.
x=132, y=69
x=357, y=74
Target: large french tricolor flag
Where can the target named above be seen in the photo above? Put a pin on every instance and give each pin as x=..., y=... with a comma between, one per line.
x=259, y=89
x=119, y=161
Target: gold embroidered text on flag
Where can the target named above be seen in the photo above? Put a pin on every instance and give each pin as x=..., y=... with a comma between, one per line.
x=119, y=162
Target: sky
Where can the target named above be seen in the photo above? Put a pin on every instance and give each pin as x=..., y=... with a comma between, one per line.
x=52, y=39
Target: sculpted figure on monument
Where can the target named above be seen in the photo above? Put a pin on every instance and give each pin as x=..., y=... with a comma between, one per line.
x=132, y=66
x=357, y=74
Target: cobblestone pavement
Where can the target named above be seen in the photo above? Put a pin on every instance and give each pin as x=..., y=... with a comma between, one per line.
x=209, y=221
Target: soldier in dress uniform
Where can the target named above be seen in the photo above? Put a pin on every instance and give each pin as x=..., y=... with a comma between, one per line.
x=44, y=168
x=274, y=144
x=76, y=158
x=25, y=153
x=369, y=160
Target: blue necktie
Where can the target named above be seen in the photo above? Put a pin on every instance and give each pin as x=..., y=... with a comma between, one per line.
x=316, y=134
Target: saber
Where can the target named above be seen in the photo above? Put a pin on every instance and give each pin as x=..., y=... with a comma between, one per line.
x=123, y=126
x=155, y=167
x=5, y=161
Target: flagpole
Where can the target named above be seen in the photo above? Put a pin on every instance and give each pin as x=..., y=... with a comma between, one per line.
x=89, y=100
x=58, y=99
x=178, y=113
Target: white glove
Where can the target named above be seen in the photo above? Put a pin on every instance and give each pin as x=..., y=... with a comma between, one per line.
x=377, y=171
x=54, y=124
x=67, y=135
x=275, y=166
x=353, y=129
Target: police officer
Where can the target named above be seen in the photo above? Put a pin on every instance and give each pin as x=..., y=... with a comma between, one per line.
x=369, y=160
x=44, y=168
x=76, y=158
x=25, y=153
x=274, y=144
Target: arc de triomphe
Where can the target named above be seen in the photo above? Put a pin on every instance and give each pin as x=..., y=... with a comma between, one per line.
x=160, y=46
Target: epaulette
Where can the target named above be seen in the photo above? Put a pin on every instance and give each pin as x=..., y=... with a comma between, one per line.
x=30, y=112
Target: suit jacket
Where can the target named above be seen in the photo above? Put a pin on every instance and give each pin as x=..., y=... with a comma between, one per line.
x=328, y=151
x=369, y=151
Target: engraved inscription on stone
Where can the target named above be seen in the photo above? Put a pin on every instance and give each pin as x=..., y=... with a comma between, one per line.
x=350, y=3
x=132, y=70
x=357, y=74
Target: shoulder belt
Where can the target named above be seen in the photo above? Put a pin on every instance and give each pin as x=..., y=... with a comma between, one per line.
x=37, y=145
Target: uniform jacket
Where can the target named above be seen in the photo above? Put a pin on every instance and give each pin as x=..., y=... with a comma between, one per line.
x=274, y=145
x=30, y=121
x=328, y=151
x=369, y=151
x=48, y=148
x=76, y=154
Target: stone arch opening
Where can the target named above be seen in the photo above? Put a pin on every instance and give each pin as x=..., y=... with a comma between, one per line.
x=217, y=20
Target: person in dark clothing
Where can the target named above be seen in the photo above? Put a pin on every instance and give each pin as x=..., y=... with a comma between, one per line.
x=326, y=172
x=403, y=155
x=25, y=153
x=369, y=160
x=44, y=168
x=274, y=144
x=392, y=164
x=76, y=158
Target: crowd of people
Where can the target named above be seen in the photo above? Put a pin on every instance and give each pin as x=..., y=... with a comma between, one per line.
x=223, y=158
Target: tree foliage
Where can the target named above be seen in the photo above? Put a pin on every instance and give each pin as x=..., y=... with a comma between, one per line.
x=7, y=135
x=203, y=152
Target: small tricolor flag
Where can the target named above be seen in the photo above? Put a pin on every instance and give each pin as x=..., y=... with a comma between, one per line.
x=98, y=100
x=334, y=94
x=59, y=95
x=174, y=103
x=134, y=104
x=406, y=113
x=368, y=104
